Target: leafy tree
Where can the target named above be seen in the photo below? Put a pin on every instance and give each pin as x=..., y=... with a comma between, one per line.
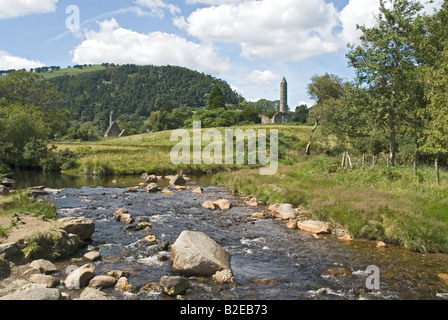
x=31, y=89
x=250, y=115
x=326, y=90
x=18, y=125
x=434, y=52
x=301, y=114
x=216, y=99
x=385, y=63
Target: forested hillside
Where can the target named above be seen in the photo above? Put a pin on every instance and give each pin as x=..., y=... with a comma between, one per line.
x=133, y=92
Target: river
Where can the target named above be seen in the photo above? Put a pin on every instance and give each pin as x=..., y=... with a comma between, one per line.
x=269, y=261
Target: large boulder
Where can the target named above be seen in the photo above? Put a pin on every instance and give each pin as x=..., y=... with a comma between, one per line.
x=11, y=252
x=35, y=294
x=102, y=281
x=285, y=212
x=196, y=254
x=223, y=204
x=317, y=227
x=51, y=245
x=94, y=294
x=81, y=226
x=80, y=277
x=44, y=266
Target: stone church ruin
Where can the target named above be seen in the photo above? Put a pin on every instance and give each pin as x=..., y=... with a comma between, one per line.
x=282, y=116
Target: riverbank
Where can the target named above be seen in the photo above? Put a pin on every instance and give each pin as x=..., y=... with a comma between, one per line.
x=378, y=203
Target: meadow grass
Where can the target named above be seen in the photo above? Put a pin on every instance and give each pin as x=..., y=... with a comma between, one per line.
x=72, y=71
x=390, y=204
x=151, y=153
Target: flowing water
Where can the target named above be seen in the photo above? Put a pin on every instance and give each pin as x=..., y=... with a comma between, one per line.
x=269, y=261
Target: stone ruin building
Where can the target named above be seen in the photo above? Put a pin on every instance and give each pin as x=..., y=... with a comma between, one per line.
x=282, y=116
x=114, y=130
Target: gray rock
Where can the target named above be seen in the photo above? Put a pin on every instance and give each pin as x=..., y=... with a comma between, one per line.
x=92, y=256
x=174, y=285
x=81, y=226
x=37, y=191
x=45, y=280
x=152, y=187
x=4, y=190
x=8, y=183
x=80, y=277
x=178, y=180
x=102, y=282
x=94, y=294
x=196, y=254
x=11, y=252
x=44, y=266
x=317, y=227
x=285, y=212
x=35, y=294
x=5, y=269
x=151, y=178
x=123, y=215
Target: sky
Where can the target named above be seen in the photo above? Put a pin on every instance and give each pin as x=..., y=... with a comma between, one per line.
x=251, y=44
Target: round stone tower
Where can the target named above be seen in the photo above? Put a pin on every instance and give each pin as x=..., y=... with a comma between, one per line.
x=284, y=96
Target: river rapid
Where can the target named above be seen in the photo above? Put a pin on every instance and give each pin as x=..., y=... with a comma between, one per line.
x=269, y=261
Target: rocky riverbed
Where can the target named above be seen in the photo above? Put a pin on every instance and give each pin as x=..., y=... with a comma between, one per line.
x=265, y=255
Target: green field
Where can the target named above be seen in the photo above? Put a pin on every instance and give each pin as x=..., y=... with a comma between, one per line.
x=151, y=153
x=72, y=71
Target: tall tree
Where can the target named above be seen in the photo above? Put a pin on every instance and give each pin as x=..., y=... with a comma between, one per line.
x=386, y=64
x=326, y=90
x=434, y=52
x=216, y=99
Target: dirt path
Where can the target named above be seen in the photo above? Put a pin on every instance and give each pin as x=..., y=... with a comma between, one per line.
x=27, y=228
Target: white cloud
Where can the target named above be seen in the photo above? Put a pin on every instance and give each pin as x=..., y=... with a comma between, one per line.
x=19, y=8
x=158, y=6
x=8, y=61
x=261, y=77
x=212, y=2
x=115, y=44
x=357, y=12
x=289, y=30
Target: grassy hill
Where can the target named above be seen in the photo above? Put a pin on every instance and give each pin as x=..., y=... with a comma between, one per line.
x=72, y=71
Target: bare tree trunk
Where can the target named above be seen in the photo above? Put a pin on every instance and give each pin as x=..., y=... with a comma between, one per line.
x=349, y=161
x=363, y=161
x=310, y=140
x=308, y=148
x=393, y=143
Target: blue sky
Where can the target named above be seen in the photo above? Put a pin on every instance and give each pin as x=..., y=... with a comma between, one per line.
x=251, y=44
